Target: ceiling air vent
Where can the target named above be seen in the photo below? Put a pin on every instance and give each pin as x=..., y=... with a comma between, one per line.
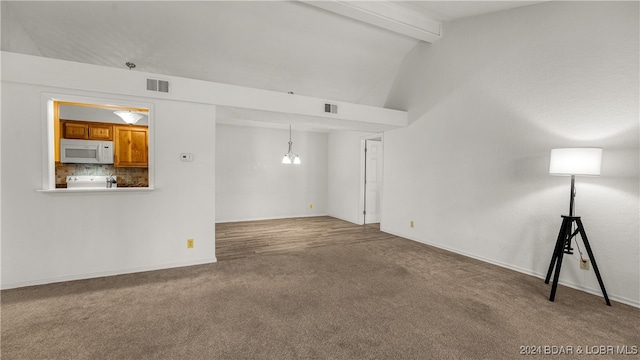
x=158, y=85
x=331, y=108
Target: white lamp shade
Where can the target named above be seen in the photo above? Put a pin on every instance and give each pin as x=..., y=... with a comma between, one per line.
x=575, y=161
x=296, y=160
x=128, y=116
x=286, y=159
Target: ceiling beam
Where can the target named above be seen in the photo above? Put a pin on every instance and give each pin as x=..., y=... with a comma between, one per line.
x=386, y=15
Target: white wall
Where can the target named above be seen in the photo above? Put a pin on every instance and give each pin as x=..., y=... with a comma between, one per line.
x=50, y=237
x=345, y=155
x=253, y=184
x=486, y=104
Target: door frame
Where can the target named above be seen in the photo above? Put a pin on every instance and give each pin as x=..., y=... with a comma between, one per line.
x=363, y=162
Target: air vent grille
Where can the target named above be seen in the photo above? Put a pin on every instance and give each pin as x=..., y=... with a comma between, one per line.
x=331, y=108
x=152, y=85
x=163, y=86
x=158, y=85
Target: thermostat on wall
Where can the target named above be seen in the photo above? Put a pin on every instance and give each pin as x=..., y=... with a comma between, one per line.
x=186, y=157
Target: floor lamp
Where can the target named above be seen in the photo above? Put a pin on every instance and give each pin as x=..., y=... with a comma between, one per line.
x=573, y=162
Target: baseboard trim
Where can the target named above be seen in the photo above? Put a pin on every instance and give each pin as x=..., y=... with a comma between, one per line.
x=620, y=299
x=269, y=218
x=344, y=219
x=106, y=273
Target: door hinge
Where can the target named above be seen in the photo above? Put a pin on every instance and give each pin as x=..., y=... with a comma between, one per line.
x=364, y=212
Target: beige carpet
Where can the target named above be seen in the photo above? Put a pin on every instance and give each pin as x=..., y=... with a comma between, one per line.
x=388, y=298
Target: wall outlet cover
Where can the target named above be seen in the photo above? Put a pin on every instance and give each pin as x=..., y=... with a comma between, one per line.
x=189, y=243
x=584, y=264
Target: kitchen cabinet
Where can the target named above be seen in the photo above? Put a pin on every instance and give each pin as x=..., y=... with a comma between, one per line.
x=86, y=130
x=131, y=146
x=100, y=132
x=73, y=130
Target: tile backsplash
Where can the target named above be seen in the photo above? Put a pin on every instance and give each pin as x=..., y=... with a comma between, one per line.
x=127, y=176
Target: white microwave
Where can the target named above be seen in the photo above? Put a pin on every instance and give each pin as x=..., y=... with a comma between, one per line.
x=86, y=151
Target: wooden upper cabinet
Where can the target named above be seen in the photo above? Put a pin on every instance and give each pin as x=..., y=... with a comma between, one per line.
x=131, y=146
x=100, y=132
x=130, y=142
x=86, y=130
x=75, y=130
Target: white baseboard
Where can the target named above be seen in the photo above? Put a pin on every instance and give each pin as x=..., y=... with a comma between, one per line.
x=344, y=219
x=620, y=299
x=268, y=218
x=106, y=273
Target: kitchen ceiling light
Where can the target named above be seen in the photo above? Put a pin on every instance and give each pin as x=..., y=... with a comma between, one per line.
x=290, y=157
x=128, y=116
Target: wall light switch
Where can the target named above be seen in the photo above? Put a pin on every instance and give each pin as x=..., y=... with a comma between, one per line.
x=189, y=243
x=411, y=223
x=310, y=206
x=186, y=157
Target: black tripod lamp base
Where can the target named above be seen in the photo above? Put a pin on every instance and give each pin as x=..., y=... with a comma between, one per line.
x=563, y=245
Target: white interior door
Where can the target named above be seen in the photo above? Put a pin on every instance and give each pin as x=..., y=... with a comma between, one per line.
x=373, y=181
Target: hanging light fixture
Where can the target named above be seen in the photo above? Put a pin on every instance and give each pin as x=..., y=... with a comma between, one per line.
x=128, y=116
x=290, y=157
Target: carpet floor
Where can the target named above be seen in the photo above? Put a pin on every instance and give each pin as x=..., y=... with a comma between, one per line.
x=387, y=298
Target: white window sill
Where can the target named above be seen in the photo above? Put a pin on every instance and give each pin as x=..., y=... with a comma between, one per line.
x=94, y=190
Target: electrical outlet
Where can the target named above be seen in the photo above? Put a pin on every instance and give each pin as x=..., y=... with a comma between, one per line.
x=189, y=243
x=411, y=223
x=584, y=264
x=310, y=206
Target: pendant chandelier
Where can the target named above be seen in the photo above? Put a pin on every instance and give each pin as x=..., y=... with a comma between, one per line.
x=290, y=157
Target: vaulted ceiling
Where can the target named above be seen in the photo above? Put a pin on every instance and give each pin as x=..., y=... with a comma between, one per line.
x=274, y=45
